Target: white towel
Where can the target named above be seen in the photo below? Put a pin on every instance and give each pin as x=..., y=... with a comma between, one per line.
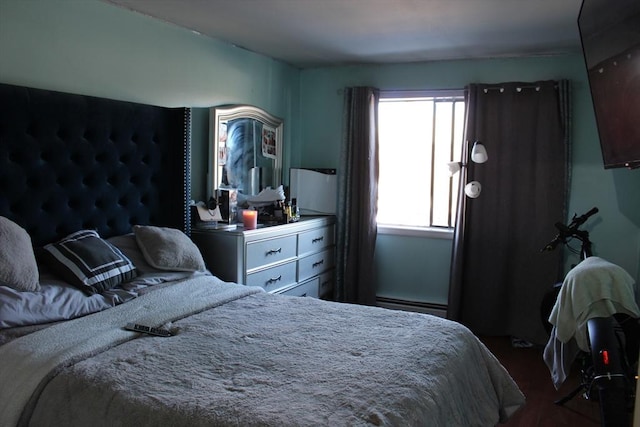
x=594, y=288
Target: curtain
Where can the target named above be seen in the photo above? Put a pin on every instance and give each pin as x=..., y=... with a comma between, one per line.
x=357, y=197
x=498, y=274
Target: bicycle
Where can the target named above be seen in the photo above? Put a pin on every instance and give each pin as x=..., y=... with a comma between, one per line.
x=613, y=341
x=565, y=234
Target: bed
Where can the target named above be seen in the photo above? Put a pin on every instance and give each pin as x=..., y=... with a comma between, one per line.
x=88, y=182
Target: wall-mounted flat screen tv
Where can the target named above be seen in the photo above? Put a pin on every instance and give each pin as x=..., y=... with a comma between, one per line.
x=610, y=34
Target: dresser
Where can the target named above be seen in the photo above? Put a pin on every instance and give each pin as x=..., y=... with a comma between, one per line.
x=293, y=259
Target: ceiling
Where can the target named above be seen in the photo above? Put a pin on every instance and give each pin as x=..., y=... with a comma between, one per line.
x=311, y=33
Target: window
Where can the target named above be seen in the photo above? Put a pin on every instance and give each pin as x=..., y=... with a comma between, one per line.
x=419, y=133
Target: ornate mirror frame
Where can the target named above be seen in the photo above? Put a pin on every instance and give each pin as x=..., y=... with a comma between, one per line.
x=266, y=131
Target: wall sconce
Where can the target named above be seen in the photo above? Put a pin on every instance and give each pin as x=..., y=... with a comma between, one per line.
x=478, y=155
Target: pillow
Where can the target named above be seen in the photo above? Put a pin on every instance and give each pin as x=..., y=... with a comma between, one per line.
x=18, y=267
x=168, y=249
x=89, y=262
x=129, y=247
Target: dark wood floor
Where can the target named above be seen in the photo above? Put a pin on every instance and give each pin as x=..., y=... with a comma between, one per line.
x=532, y=376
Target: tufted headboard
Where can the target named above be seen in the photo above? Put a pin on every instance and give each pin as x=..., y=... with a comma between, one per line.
x=71, y=162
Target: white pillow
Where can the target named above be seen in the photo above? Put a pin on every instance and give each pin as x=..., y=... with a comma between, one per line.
x=168, y=249
x=18, y=267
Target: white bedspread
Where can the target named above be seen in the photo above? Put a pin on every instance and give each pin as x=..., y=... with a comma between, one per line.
x=26, y=361
x=273, y=360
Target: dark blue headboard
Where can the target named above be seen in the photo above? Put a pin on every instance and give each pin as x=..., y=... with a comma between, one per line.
x=71, y=162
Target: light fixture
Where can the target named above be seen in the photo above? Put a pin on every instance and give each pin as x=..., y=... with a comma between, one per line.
x=478, y=155
x=454, y=167
x=473, y=189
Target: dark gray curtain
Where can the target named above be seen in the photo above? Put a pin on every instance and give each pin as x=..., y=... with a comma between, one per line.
x=357, y=197
x=498, y=274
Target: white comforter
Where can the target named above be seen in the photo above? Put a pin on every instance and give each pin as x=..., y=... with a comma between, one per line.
x=254, y=359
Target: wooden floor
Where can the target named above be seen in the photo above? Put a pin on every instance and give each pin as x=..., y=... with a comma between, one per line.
x=532, y=376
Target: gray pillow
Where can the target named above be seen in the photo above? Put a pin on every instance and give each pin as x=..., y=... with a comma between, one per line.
x=18, y=267
x=129, y=247
x=168, y=249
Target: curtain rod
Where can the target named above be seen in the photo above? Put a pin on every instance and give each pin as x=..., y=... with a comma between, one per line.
x=408, y=93
x=420, y=93
x=518, y=88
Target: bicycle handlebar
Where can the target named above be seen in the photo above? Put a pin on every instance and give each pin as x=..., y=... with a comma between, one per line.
x=580, y=220
x=571, y=230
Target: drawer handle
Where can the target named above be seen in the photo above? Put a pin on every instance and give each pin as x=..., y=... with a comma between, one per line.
x=274, y=251
x=317, y=263
x=273, y=280
x=318, y=239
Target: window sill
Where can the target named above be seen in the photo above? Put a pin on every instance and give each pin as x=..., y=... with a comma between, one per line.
x=429, y=232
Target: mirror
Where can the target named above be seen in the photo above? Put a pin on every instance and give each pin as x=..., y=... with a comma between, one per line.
x=246, y=149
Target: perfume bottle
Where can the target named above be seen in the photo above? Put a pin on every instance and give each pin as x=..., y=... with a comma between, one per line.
x=295, y=210
x=287, y=211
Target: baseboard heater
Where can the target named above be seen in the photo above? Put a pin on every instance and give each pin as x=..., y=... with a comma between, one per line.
x=439, y=310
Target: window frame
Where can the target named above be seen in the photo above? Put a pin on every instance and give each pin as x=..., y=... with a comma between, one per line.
x=437, y=232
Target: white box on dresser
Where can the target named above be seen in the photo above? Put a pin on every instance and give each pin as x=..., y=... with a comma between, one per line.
x=294, y=259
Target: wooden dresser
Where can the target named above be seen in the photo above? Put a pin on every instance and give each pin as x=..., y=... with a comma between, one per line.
x=294, y=259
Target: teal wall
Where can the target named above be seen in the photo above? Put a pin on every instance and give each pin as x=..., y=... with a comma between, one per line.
x=418, y=268
x=94, y=48
x=413, y=268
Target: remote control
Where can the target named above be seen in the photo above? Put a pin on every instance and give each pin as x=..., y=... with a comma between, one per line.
x=148, y=330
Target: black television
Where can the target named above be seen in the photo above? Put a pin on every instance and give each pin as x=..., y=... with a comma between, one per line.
x=610, y=36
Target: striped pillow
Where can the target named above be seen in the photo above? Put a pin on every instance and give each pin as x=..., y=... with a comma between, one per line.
x=89, y=262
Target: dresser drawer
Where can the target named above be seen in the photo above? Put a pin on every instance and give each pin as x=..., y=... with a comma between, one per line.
x=278, y=258
x=274, y=278
x=315, y=264
x=306, y=289
x=315, y=240
x=265, y=252
x=325, y=287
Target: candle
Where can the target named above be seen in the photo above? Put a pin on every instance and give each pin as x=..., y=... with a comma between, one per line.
x=250, y=219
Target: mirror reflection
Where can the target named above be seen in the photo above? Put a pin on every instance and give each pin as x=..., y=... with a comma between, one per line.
x=246, y=149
